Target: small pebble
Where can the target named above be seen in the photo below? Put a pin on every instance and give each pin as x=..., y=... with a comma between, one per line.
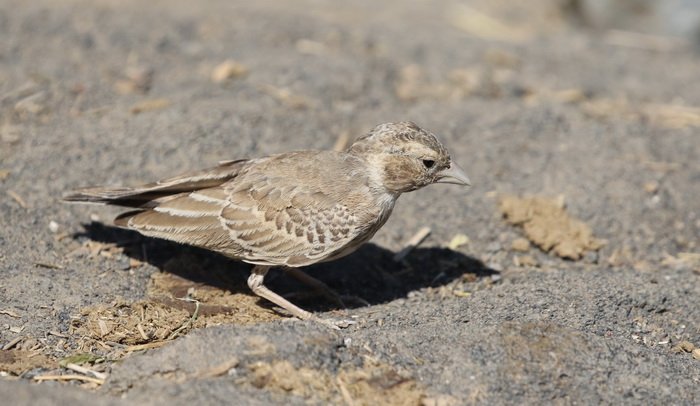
x=123, y=264
x=228, y=70
x=651, y=187
x=655, y=200
x=310, y=47
x=495, y=266
x=494, y=246
x=458, y=241
x=137, y=79
x=520, y=244
x=525, y=261
x=591, y=257
x=53, y=226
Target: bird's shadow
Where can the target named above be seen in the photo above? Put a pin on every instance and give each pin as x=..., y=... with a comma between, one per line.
x=371, y=273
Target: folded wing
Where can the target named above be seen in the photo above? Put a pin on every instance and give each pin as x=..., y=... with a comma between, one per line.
x=254, y=217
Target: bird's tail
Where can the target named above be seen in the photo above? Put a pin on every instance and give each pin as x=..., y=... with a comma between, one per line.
x=150, y=195
x=118, y=196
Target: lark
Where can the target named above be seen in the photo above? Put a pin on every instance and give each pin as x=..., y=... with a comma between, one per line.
x=288, y=210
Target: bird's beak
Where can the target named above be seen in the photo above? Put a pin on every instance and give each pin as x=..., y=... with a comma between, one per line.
x=455, y=175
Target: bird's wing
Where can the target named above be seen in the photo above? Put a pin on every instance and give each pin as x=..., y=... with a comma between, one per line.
x=148, y=195
x=258, y=218
x=189, y=218
x=276, y=221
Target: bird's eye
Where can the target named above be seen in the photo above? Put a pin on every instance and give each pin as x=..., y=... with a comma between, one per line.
x=428, y=163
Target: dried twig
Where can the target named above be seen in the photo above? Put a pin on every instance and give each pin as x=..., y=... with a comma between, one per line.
x=147, y=346
x=139, y=327
x=86, y=371
x=10, y=313
x=344, y=392
x=12, y=343
x=218, y=370
x=17, y=198
x=638, y=40
x=69, y=377
x=189, y=322
x=149, y=105
x=286, y=97
x=23, y=91
x=417, y=238
x=342, y=141
x=484, y=26
x=48, y=265
x=57, y=334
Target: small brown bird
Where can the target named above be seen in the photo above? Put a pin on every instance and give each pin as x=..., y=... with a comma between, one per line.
x=292, y=209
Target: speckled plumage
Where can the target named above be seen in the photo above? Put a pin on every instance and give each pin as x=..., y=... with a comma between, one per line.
x=292, y=209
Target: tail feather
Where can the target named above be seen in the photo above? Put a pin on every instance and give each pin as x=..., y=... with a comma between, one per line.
x=125, y=197
x=150, y=195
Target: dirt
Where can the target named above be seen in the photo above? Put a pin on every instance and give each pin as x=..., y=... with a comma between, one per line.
x=370, y=384
x=17, y=362
x=568, y=273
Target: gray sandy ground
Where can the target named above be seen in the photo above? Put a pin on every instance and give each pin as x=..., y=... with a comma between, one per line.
x=600, y=330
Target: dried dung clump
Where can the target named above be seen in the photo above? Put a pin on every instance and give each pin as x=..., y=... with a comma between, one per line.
x=547, y=225
x=174, y=306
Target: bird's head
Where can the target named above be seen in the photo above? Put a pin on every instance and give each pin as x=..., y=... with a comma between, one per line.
x=405, y=157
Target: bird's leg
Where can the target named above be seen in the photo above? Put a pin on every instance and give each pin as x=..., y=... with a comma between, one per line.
x=316, y=284
x=255, y=282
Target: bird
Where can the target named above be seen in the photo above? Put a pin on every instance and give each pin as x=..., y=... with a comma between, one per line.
x=291, y=209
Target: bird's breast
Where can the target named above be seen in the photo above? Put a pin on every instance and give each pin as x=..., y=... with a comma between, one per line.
x=373, y=215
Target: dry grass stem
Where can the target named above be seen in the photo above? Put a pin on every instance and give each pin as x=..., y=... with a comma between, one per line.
x=342, y=141
x=147, y=346
x=344, y=392
x=12, y=343
x=10, y=313
x=69, y=377
x=86, y=371
x=189, y=321
x=17, y=198
x=412, y=243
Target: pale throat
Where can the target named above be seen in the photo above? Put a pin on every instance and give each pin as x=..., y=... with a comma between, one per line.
x=375, y=174
x=385, y=198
